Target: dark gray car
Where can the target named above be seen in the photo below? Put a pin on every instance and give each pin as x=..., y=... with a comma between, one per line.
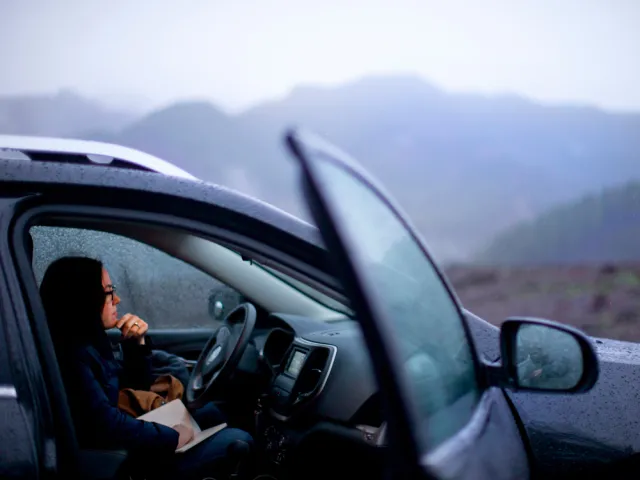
x=459, y=399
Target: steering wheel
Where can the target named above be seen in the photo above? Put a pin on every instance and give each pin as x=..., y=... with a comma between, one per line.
x=221, y=355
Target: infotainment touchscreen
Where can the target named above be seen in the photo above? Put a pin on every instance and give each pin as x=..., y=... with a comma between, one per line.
x=295, y=364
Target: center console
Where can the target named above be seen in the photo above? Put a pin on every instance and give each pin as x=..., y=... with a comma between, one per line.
x=299, y=376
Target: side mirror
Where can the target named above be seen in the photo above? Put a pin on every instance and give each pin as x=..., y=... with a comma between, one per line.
x=545, y=356
x=216, y=307
x=222, y=300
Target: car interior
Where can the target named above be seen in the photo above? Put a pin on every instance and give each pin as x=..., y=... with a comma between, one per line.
x=304, y=387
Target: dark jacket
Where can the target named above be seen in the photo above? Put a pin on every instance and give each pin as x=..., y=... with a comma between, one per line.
x=93, y=382
x=164, y=363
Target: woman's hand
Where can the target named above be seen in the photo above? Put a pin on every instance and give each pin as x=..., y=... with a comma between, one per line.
x=133, y=326
x=186, y=434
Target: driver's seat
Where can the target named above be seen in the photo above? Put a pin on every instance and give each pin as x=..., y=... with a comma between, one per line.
x=91, y=463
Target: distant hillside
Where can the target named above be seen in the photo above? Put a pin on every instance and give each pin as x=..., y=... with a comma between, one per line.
x=215, y=147
x=62, y=114
x=600, y=299
x=598, y=228
x=464, y=167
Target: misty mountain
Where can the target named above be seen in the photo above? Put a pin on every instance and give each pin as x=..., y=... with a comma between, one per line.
x=464, y=167
x=597, y=228
x=63, y=114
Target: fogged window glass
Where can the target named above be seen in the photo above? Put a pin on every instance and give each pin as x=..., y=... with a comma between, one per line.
x=162, y=290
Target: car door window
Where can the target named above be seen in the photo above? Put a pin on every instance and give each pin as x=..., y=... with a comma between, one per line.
x=404, y=286
x=164, y=291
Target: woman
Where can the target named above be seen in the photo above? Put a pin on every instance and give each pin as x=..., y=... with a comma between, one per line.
x=81, y=304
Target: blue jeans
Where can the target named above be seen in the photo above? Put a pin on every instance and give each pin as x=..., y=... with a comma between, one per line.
x=208, y=458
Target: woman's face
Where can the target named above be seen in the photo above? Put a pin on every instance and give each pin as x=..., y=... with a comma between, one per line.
x=110, y=309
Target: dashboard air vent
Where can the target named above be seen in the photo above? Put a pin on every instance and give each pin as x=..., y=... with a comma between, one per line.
x=312, y=375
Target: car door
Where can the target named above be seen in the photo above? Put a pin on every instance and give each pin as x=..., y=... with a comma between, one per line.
x=444, y=421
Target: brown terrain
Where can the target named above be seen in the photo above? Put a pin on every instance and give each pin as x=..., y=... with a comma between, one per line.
x=603, y=300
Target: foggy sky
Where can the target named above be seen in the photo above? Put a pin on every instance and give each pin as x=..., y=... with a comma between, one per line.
x=143, y=53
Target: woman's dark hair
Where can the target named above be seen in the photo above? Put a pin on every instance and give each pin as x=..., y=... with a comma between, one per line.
x=73, y=299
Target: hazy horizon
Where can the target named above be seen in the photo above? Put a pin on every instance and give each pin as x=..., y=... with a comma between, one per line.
x=137, y=106
x=239, y=54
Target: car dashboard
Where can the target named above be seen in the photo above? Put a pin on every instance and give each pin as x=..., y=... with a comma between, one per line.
x=320, y=375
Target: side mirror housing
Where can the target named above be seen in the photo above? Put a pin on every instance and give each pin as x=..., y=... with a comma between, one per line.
x=222, y=300
x=216, y=307
x=544, y=356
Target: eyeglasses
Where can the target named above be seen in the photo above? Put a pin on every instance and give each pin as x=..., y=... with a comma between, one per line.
x=110, y=291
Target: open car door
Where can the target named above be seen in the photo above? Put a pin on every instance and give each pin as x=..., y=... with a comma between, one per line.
x=444, y=421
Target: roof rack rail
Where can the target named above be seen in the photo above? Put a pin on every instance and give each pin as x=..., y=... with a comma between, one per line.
x=84, y=152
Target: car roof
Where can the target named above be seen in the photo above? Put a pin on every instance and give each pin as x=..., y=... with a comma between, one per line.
x=68, y=150
x=20, y=172
x=69, y=163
